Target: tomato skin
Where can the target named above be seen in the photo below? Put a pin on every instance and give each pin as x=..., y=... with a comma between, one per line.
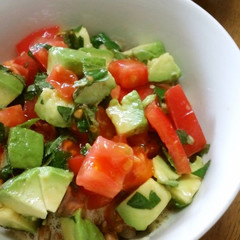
x=105, y=167
x=106, y=127
x=12, y=116
x=75, y=162
x=30, y=64
x=29, y=40
x=28, y=108
x=16, y=68
x=129, y=73
x=48, y=131
x=161, y=123
x=62, y=80
x=144, y=91
x=184, y=118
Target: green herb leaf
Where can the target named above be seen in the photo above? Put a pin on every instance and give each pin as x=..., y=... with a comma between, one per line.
x=84, y=150
x=98, y=74
x=6, y=172
x=72, y=39
x=141, y=202
x=65, y=112
x=102, y=38
x=183, y=136
x=82, y=125
x=40, y=82
x=204, y=151
x=59, y=159
x=160, y=93
x=170, y=160
x=2, y=133
x=202, y=171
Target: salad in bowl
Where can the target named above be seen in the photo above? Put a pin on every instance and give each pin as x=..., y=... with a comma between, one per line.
x=97, y=141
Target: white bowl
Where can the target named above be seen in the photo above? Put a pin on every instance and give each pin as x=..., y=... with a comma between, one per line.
x=210, y=62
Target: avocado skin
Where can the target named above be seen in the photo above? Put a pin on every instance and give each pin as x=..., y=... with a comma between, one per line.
x=25, y=148
x=10, y=88
x=76, y=228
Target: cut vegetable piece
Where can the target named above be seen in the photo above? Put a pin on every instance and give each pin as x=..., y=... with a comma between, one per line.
x=168, y=135
x=185, y=119
x=144, y=205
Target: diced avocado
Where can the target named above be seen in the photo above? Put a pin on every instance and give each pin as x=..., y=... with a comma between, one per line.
x=197, y=164
x=99, y=53
x=10, y=88
x=66, y=57
x=47, y=108
x=11, y=219
x=25, y=148
x=139, y=213
x=76, y=228
x=145, y=52
x=128, y=117
x=23, y=194
x=188, y=185
x=163, y=172
x=54, y=183
x=163, y=69
x=96, y=92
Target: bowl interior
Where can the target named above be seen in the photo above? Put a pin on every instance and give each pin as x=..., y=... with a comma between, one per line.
x=209, y=60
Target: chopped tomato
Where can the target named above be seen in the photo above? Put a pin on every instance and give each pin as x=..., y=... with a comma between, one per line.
x=106, y=127
x=119, y=92
x=30, y=64
x=74, y=163
x=120, y=138
x=41, y=54
x=161, y=123
x=28, y=108
x=29, y=40
x=184, y=118
x=62, y=80
x=149, y=142
x=95, y=200
x=16, y=68
x=48, y=131
x=141, y=171
x=144, y=91
x=12, y=116
x=105, y=167
x=129, y=73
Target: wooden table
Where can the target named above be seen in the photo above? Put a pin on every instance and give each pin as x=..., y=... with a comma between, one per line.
x=227, y=12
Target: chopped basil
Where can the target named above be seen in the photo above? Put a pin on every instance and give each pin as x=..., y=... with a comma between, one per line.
x=2, y=133
x=141, y=202
x=98, y=74
x=102, y=38
x=160, y=93
x=169, y=158
x=65, y=112
x=84, y=150
x=30, y=54
x=204, y=151
x=6, y=172
x=59, y=159
x=202, y=171
x=184, y=137
x=72, y=39
x=82, y=125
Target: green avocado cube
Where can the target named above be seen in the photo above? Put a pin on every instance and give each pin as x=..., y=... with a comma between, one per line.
x=23, y=194
x=54, y=183
x=66, y=57
x=128, y=117
x=10, y=87
x=11, y=219
x=25, y=148
x=144, y=205
x=163, y=69
x=145, y=52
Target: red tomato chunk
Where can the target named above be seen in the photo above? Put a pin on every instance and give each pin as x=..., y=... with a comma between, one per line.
x=105, y=167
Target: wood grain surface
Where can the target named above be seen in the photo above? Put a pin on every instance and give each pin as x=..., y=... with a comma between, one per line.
x=227, y=13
